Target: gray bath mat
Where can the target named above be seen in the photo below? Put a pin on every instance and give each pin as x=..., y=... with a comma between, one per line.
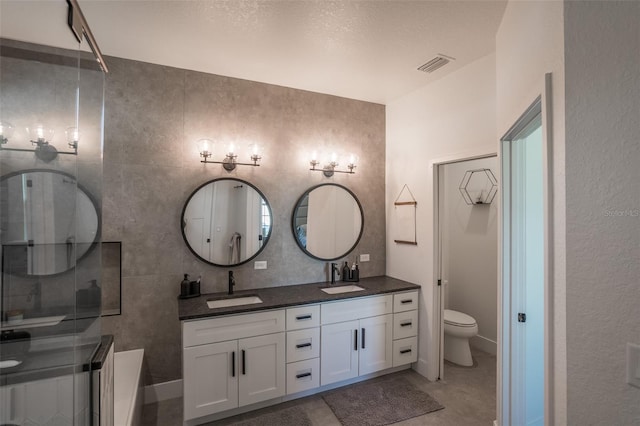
x=379, y=402
x=292, y=416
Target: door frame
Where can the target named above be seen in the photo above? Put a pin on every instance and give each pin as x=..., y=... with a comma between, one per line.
x=504, y=405
x=438, y=303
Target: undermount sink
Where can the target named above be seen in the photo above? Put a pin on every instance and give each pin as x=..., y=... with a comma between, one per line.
x=342, y=289
x=233, y=301
x=10, y=363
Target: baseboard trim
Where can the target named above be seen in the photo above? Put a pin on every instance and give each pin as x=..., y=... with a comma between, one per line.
x=484, y=344
x=162, y=391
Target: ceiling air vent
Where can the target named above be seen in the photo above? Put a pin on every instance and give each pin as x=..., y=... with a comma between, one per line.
x=436, y=63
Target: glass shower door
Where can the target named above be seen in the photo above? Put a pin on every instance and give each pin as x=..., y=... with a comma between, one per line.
x=51, y=110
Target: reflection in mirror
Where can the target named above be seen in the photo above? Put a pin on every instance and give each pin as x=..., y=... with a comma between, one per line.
x=111, y=274
x=46, y=224
x=226, y=222
x=327, y=221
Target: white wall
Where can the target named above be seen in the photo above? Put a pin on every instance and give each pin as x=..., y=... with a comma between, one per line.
x=470, y=252
x=453, y=117
x=529, y=43
x=602, y=45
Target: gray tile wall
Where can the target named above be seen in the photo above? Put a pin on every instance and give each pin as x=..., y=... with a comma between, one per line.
x=153, y=116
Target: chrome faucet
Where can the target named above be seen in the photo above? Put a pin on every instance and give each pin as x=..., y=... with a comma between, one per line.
x=334, y=271
x=232, y=282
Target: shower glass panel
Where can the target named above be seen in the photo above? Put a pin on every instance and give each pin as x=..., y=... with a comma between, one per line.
x=51, y=118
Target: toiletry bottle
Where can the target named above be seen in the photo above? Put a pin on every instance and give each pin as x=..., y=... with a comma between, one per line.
x=94, y=294
x=345, y=272
x=356, y=273
x=184, y=286
x=194, y=288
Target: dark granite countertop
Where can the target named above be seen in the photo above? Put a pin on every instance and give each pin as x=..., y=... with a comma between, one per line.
x=284, y=296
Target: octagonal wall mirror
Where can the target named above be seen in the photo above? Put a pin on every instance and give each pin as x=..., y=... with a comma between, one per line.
x=327, y=221
x=49, y=222
x=226, y=222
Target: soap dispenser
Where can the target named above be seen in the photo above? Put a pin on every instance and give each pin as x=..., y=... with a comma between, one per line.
x=345, y=271
x=184, y=286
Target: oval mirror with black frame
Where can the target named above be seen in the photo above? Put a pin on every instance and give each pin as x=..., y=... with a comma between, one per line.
x=327, y=221
x=48, y=222
x=226, y=222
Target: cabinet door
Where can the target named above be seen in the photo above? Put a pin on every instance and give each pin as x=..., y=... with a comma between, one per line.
x=262, y=368
x=339, y=352
x=376, y=344
x=210, y=379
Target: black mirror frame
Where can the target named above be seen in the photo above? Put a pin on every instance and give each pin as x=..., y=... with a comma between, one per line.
x=297, y=206
x=266, y=238
x=96, y=240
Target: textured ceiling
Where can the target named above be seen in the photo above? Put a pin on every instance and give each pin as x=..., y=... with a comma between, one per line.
x=366, y=50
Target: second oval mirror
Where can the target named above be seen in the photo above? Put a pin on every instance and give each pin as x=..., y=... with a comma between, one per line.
x=226, y=222
x=327, y=221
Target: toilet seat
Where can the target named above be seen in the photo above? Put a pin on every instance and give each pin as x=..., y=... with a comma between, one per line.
x=458, y=319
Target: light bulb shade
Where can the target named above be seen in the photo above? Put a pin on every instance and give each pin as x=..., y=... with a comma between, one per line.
x=230, y=149
x=40, y=133
x=6, y=130
x=353, y=160
x=72, y=135
x=205, y=147
x=255, y=152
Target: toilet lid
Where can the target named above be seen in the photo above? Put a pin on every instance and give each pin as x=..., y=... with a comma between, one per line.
x=458, y=318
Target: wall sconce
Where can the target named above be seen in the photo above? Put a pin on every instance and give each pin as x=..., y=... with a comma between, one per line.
x=330, y=168
x=40, y=137
x=205, y=147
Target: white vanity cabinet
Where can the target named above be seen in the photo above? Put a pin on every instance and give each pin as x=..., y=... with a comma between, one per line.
x=405, y=328
x=303, y=348
x=231, y=362
x=222, y=373
x=357, y=338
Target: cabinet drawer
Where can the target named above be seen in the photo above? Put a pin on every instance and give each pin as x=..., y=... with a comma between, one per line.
x=200, y=332
x=405, y=324
x=303, y=317
x=405, y=301
x=303, y=375
x=354, y=309
x=405, y=351
x=303, y=344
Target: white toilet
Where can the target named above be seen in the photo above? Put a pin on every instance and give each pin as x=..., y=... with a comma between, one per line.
x=458, y=329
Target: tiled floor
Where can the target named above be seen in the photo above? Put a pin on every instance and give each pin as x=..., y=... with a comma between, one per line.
x=467, y=393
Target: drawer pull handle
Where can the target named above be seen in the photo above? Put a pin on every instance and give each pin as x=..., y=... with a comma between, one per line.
x=303, y=345
x=363, y=338
x=300, y=376
x=405, y=324
x=303, y=317
x=355, y=340
x=405, y=351
x=244, y=364
x=404, y=302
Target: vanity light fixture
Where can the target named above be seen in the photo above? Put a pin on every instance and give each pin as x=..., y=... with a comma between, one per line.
x=229, y=163
x=6, y=131
x=40, y=137
x=330, y=168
